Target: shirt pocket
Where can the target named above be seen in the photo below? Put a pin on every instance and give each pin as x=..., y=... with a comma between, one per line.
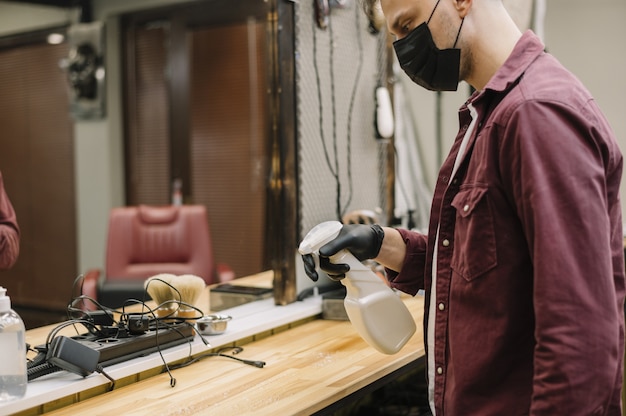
x=474, y=251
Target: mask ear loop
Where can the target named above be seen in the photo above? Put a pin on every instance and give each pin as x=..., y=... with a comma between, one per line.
x=458, y=34
x=433, y=12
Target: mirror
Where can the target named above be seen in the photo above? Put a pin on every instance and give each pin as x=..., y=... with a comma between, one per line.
x=162, y=65
x=201, y=96
x=229, y=146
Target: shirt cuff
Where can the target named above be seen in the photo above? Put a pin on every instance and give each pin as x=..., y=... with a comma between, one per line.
x=411, y=278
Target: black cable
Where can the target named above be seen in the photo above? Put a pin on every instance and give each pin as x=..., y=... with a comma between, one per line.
x=331, y=66
x=55, y=331
x=202, y=338
x=220, y=353
x=178, y=303
x=78, y=278
x=156, y=340
x=100, y=370
x=80, y=297
x=351, y=108
x=41, y=370
x=40, y=358
x=334, y=170
x=39, y=366
x=319, y=100
x=162, y=320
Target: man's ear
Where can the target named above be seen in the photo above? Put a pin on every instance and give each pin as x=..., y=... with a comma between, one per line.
x=463, y=7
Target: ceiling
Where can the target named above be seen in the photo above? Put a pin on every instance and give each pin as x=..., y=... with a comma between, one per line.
x=56, y=3
x=85, y=6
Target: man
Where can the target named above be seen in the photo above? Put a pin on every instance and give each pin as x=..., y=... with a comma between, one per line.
x=523, y=264
x=9, y=231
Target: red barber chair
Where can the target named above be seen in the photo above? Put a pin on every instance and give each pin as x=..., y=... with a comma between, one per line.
x=147, y=240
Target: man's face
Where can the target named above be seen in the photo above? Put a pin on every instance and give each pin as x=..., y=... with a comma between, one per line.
x=402, y=16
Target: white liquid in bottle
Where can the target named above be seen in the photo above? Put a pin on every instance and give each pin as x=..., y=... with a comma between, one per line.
x=13, y=376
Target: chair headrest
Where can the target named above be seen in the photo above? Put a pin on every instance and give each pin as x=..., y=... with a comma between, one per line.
x=157, y=215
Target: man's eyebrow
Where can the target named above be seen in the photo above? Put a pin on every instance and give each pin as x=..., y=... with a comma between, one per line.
x=396, y=25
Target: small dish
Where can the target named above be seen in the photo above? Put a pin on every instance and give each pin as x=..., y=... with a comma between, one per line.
x=213, y=324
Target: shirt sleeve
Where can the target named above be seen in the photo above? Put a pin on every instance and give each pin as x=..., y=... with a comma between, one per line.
x=9, y=231
x=562, y=168
x=411, y=278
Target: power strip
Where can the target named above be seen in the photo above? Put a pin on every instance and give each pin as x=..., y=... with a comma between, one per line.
x=116, y=350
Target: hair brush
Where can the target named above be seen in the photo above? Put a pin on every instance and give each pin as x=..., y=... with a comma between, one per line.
x=189, y=288
x=160, y=290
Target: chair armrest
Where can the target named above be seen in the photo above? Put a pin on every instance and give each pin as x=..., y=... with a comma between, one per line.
x=90, y=288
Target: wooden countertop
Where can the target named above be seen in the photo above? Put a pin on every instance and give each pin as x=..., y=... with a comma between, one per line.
x=309, y=366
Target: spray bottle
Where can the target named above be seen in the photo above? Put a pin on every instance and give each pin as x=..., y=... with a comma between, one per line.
x=374, y=309
x=13, y=376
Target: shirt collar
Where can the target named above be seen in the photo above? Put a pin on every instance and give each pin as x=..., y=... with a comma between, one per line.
x=527, y=49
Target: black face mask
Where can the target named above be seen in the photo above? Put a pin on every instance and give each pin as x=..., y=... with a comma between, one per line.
x=433, y=68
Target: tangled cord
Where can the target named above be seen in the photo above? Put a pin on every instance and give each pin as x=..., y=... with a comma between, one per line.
x=157, y=323
x=220, y=353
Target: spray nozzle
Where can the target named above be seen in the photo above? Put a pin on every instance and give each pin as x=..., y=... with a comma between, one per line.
x=318, y=236
x=5, y=301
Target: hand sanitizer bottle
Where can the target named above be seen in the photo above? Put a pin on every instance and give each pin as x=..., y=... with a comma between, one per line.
x=377, y=313
x=13, y=376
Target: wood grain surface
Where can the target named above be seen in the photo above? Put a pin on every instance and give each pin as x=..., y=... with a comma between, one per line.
x=308, y=368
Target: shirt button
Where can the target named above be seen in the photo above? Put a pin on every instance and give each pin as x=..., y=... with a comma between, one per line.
x=439, y=370
x=466, y=208
x=442, y=306
x=445, y=242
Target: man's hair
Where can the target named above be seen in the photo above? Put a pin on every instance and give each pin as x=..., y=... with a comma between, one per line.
x=369, y=7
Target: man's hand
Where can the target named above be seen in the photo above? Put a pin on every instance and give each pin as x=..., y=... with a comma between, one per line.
x=363, y=241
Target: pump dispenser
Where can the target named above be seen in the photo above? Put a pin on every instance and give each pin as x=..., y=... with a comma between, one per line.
x=13, y=376
x=374, y=309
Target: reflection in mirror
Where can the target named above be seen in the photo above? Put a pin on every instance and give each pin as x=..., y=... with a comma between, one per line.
x=197, y=115
x=190, y=86
x=206, y=94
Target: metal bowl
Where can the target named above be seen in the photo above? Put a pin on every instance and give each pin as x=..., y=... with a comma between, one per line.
x=213, y=324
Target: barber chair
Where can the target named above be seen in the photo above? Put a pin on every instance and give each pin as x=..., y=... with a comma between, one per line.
x=147, y=240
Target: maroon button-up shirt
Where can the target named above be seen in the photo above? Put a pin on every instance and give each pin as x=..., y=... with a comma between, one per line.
x=9, y=231
x=530, y=269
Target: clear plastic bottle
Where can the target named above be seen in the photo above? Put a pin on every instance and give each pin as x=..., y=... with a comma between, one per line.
x=13, y=376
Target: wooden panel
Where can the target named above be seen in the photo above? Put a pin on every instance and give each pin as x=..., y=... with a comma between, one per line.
x=37, y=161
x=197, y=105
x=229, y=140
x=148, y=146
